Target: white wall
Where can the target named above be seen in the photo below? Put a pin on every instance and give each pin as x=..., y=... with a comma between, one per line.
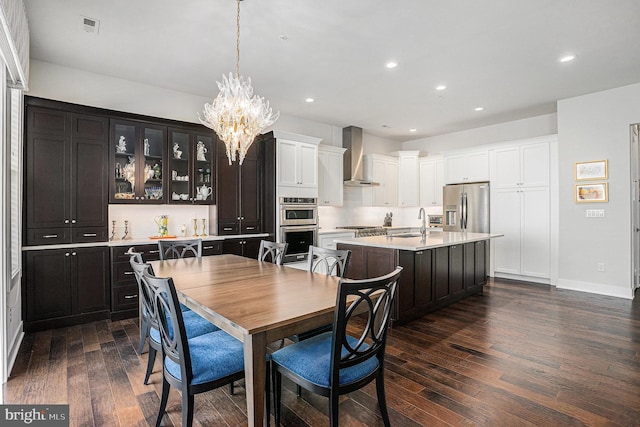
x=80, y=87
x=509, y=131
x=596, y=127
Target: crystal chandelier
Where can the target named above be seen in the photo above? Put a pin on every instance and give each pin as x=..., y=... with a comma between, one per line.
x=237, y=115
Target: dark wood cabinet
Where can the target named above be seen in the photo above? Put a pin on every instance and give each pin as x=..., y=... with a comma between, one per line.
x=247, y=247
x=66, y=169
x=239, y=193
x=192, y=173
x=415, y=288
x=366, y=262
x=138, y=153
x=456, y=269
x=441, y=273
x=64, y=287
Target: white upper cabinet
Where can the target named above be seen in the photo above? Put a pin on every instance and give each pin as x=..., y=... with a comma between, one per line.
x=297, y=169
x=431, y=181
x=467, y=167
x=384, y=170
x=330, y=165
x=408, y=179
x=524, y=165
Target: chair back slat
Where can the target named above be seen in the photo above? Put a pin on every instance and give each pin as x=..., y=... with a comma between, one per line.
x=272, y=252
x=373, y=299
x=172, y=249
x=330, y=261
x=170, y=323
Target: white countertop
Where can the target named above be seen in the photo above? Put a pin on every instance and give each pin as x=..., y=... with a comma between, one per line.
x=138, y=241
x=432, y=240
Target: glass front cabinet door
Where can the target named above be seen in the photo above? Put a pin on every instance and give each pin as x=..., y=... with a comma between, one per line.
x=138, y=153
x=191, y=155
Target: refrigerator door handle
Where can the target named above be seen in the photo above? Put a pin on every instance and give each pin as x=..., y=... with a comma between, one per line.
x=461, y=211
x=465, y=210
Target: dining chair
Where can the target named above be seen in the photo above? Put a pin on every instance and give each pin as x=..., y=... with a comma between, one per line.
x=196, y=324
x=337, y=362
x=332, y=262
x=171, y=249
x=272, y=252
x=191, y=364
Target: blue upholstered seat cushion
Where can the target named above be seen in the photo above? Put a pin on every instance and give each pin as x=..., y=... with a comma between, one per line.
x=213, y=356
x=184, y=308
x=311, y=360
x=194, y=324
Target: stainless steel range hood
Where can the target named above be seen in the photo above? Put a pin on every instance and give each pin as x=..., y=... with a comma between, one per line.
x=353, y=167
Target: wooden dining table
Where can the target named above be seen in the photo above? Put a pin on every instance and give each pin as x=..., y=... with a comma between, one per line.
x=256, y=302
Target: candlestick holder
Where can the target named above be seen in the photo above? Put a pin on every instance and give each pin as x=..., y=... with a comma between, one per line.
x=113, y=230
x=195, y=227
x=204, y=227
x=126, y=231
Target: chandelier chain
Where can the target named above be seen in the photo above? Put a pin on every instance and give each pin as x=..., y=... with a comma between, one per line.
x=238, y=40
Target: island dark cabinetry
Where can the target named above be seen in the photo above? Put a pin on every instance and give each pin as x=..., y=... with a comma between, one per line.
x=64, y=287
x=431, y=278
x=239, y=193
x=66, y=169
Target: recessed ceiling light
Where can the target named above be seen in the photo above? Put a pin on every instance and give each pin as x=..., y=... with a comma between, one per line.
x=309, y=100
x=479, y=108
x=441, y=87
x=567, y=58
x=413, y=130
x=392, y=64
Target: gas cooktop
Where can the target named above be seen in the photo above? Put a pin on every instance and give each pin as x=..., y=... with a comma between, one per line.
x=366, y=230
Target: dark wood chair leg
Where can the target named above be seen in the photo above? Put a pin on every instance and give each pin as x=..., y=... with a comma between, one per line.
x=267, y=393
x=231, y=391
x=382, y=401
x=277, y=391
x=333, y=408
x=150, y=363
x=163, y=401
x=298, y=390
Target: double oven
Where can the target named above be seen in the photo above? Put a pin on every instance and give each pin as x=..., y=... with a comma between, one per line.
x=298, y=224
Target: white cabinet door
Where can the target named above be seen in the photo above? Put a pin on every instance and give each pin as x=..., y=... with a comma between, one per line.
x=408, y=181
x=535, y=248
x=522, y=166
x=522, y=215
x=384, y=170
x=431, y=181
x=287, y=156
x=467, y=167
x=297, y=169
x=330, y=187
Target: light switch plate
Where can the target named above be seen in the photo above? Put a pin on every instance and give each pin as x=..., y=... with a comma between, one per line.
x=595, y=213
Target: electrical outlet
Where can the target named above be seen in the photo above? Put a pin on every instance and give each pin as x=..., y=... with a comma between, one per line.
x=600, y=266
x=595, y=213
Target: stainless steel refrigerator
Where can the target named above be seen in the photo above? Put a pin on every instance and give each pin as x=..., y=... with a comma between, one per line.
x=466, y=207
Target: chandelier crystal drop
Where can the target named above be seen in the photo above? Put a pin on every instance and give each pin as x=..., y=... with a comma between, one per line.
x=236, y=114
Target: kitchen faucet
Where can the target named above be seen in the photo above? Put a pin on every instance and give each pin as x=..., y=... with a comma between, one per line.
x=423, y=217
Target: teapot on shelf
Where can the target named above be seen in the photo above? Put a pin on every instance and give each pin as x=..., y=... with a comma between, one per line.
x=204, y=192
x=163, y=225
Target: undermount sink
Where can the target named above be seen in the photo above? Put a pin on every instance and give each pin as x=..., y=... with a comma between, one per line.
x=407, y=235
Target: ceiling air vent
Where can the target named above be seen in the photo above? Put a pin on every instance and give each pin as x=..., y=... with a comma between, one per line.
x=89, y=25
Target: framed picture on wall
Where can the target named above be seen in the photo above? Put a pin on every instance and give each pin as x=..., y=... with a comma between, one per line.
x=592, y=192
x=596, y=169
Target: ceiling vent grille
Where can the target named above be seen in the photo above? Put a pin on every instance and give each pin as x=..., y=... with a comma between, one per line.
x=89, y=25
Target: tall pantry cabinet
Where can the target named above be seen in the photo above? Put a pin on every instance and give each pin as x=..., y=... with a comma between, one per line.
x=521, y=210
x=66, y=169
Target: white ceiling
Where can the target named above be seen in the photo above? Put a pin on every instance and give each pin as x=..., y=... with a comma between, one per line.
x=498, y=54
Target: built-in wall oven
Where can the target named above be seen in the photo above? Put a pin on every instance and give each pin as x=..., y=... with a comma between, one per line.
x=298, y=226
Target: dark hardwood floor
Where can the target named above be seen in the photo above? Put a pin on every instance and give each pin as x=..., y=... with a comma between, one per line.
x=519, y=355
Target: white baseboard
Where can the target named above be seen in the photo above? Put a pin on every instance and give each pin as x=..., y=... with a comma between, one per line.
x=543, y=280
x=596, y=288
x=14, y=347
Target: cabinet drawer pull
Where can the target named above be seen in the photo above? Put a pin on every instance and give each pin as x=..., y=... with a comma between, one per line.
x=227, y=228
x=419, y=253
x=49, y=236
x=73, y=221
x=131, y=296
x=251, y=228
x=207, y=247
x=154, y=252
x=128, y=273
x=90, y=234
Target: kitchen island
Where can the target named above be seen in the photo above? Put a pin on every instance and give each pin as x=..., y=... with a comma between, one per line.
x=439, y=269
